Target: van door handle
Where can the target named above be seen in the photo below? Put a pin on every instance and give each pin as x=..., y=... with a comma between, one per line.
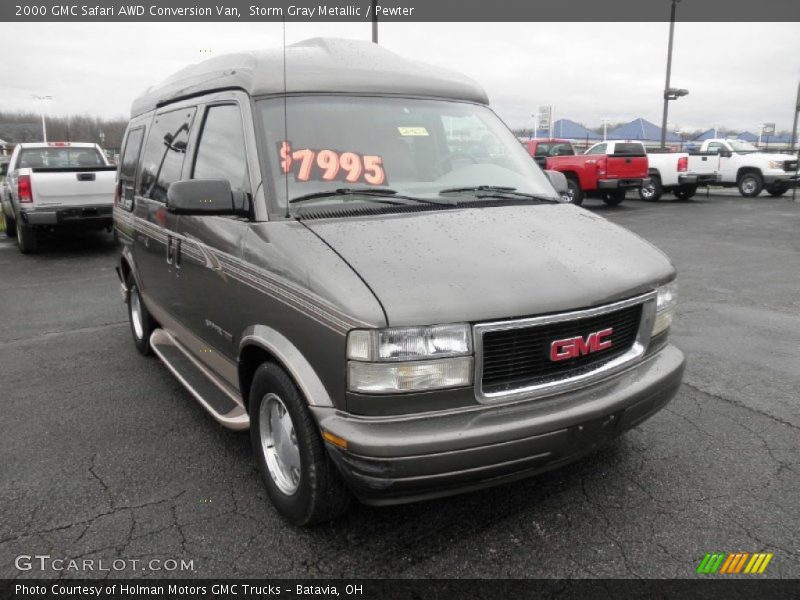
x=170, y=242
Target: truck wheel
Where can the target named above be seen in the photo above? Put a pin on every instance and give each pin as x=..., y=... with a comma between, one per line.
x=685, y=192
x=301, y=480
x=750, y=185
x=27, y=239
x=775, y=191
x=11, y=227
x=652, y=191
x=574, y=191
x=142, y=324
x=614, y=198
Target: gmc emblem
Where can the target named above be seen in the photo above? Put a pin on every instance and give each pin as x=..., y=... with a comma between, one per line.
x=577, y=346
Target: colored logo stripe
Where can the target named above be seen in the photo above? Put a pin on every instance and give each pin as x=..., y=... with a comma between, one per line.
x=734, y=563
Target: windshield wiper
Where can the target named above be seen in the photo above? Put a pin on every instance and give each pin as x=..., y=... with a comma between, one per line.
x=497, y=191
x=383, y=194
x=478, y=188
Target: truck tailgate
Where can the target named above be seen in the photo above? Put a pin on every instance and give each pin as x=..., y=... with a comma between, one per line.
x=619, y=166
x=71, y=188
x=703, y=162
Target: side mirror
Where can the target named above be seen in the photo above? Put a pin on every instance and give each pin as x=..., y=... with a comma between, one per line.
x=559, y=181
x=206, y=197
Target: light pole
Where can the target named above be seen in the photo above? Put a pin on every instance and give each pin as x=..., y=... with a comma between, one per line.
x=44, y=126
x=796, y=113
x=605, y=128
x=374, y=22
x=670, y=93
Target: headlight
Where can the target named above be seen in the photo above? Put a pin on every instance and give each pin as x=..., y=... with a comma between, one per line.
x=665, y=306
x=409, y=343
x=776, y=164
x=405, y=359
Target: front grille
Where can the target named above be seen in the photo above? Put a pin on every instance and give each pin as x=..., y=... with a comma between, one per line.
x=520, y=358
x=790, y=165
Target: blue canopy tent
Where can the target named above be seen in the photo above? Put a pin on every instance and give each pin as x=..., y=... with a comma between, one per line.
x=640, y=129
x=569, y=130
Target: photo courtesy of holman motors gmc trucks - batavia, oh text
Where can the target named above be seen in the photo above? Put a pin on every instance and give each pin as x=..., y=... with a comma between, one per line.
x=350, y=255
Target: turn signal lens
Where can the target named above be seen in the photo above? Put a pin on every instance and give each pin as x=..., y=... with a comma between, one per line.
x=420, y=375
x=666, y=302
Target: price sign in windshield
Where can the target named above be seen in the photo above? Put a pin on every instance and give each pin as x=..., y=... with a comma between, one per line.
x=331, y=165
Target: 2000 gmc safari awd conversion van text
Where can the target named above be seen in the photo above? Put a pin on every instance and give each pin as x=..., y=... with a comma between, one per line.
x=362, y=264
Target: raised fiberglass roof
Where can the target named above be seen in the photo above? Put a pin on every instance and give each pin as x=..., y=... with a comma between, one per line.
x=318, y=65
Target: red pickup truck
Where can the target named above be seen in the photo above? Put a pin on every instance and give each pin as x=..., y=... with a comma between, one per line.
x=606, y=170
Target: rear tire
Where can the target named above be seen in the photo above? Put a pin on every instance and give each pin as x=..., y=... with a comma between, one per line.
x=142, y=324
x=11, y=227
x=574, y=191
x=614, y=198
x=750, y=184
x=27, y=239
x=301, y=480
x=685, y=192
x=652, y=191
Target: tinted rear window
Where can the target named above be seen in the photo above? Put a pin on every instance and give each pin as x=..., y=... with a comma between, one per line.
x=60, y=158
x=636, y=149
x=554, y=149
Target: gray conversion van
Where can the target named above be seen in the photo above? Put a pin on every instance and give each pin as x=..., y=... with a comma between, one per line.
x=351, y=255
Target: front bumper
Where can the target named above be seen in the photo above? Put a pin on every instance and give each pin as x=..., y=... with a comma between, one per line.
x=99, y=216
x=789, y=179
x=391, y=460
x=618, y=184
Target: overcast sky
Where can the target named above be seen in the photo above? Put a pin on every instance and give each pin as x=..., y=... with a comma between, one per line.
x=739, y=74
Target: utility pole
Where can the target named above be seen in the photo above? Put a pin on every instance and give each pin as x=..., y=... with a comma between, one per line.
x=374, y=22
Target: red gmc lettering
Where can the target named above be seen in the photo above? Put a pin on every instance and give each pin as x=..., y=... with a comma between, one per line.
x=577, y=346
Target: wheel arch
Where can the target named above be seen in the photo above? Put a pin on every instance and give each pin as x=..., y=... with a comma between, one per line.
x=261, y=344
x=742, y=171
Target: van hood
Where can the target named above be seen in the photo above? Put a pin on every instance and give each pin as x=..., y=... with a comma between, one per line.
x=477, y=264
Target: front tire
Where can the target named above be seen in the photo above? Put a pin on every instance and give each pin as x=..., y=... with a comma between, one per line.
x=685, y=192
x=574, y=191
x=750, y=184
x=142, y=323
x=614, y=198
x=776, y=191
x=27, y=239
x=301, y=480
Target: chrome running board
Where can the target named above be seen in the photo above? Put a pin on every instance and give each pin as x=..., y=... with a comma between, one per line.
x=216, y=397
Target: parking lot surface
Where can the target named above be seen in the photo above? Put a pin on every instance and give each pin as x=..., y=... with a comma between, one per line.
x=105, y=455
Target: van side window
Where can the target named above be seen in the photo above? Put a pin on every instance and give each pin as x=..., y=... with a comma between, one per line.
x=127, y=167
x=164, y=152
x=221, y=150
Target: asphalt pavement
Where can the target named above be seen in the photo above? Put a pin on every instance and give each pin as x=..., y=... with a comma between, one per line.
x=103, y=455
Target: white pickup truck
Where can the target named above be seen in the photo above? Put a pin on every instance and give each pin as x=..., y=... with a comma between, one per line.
x=56, y=185
x=671, y=172
x=742, y=165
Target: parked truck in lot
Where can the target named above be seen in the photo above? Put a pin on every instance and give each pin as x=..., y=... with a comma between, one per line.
x=606, y=170
x=742, y=165
x=541, y=149
x=670, y=172
x=56, y=185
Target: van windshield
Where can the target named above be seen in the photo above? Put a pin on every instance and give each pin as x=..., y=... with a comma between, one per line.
x=415, y=147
